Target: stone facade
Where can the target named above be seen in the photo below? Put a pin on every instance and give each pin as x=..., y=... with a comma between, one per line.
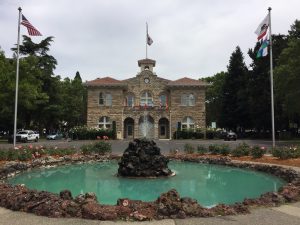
x=146, y=105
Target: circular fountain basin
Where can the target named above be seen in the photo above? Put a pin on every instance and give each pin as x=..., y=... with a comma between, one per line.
x=208, y=184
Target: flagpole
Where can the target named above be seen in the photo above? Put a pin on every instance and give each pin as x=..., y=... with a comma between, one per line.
x=146, y=40
x=17, y=78
x=271, y=80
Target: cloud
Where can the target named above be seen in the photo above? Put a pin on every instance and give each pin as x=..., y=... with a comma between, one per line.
x=106, y=38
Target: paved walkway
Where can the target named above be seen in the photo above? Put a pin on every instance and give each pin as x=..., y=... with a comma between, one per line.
x=283, y=215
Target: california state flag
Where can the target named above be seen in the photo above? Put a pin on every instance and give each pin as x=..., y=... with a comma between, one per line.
x=262, y=29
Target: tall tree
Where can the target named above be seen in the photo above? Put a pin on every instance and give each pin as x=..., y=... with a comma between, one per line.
x=74, y=101
x=259, y=81
x=287, y=75
x=235, y=110
x=7, y=91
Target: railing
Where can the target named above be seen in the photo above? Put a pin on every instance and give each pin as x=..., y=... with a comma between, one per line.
x=145, y=108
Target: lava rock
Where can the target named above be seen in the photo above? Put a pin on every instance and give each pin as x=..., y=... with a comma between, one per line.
x=66, y=195
x=142, y=158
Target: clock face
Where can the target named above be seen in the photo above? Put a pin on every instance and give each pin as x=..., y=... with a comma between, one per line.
x=146, y=80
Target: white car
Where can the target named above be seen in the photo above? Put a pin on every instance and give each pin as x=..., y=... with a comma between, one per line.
x=27, y=135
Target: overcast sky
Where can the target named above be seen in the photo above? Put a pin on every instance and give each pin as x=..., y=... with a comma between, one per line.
x=98, y=38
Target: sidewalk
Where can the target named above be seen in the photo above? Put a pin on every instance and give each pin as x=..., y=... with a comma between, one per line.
x=283, y=215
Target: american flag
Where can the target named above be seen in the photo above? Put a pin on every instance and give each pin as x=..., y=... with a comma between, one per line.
x=32, y=31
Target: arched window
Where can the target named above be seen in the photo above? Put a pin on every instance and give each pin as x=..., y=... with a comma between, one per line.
x=163, y=100
x=187, y=123
x=104, y=123
x=105, y=99
x=146, y=99
x=187, y=100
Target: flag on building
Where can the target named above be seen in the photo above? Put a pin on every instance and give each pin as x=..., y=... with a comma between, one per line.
x=262, y=29
x=32, y=31
x=263, y=50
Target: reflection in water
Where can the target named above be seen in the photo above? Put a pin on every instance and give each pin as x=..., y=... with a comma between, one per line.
x=209, y=184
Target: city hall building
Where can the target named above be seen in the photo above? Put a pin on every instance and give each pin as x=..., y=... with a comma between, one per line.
x=146, y=105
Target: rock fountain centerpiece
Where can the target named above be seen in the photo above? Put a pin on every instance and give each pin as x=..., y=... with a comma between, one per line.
x=142, y=158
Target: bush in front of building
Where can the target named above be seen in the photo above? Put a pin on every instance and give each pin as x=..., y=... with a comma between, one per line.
x=188, y=134
x=86, y=133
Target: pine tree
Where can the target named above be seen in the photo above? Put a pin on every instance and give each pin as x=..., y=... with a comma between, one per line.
x=235, y=110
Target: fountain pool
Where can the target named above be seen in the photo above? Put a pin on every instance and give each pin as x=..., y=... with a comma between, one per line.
x=209, y=184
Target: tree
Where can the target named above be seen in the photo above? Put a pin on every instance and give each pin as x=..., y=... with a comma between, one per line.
x=214, y=97
x=287, y=75
x=7, y=84
x=235, y=109
x=74, y=99
x=37, y=73
x=259, y=81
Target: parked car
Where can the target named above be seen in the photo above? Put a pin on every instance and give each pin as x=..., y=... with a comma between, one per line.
x=25, y=136
x=54, y=136
x=228, y=136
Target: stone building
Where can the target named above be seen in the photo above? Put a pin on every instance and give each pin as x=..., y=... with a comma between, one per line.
x=146, y=105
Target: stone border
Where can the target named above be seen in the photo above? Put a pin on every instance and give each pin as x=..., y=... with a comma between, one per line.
x=167, y=205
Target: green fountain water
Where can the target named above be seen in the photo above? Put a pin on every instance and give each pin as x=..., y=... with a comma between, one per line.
x=209, y=184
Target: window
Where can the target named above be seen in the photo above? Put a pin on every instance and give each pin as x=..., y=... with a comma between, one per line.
x=187, y=123
x=130, y=100
x=105, y=99
x=146, y=99
x=104, y=123
x=188, y=100
x=101, y=99
x=108, y=100
x=191, y=99
x=163, y=100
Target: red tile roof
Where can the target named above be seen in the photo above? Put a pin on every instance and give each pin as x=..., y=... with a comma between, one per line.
x=187, y=82
x=105, y=81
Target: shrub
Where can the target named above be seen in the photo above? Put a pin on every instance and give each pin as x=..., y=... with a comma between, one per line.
x=85, y=133
x=257, y=152
x=86, y=149
x=3, y=154
x=201, y=149
x=224, y=149
x=286, y=152
x=12, y=155
x=188, y=134
x=214, y=149
x=100, y=147
x=188, y=148
x=241, y=150
x=24, y=155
